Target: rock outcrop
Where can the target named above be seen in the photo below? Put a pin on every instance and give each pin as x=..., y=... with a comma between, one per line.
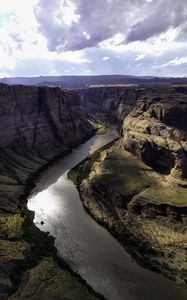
x=145, y=204
x=137, y=189
x=139, y=207
x=155, y=127
x=112, y=102
x=156, y=130
x=37, y=124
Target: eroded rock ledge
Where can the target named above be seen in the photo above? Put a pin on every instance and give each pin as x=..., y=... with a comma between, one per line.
x=140, y=208
x=112, y=102
x=156, y=130
x=38, y=124
x=137, y=189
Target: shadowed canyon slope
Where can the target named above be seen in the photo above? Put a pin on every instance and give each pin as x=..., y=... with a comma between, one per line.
x=111, y=102
x=37, y=125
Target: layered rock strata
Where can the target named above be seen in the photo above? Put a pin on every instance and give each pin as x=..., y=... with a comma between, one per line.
x=37, y=125
x=112, y=102
x=137, y=189
x=156, y=130
x=139, y=207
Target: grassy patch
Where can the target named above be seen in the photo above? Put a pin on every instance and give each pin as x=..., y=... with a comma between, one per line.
x=176, y=196
x=73, y=174
x=128, y=176
x=47, y=282
x=100, y=126
x=41, y=242
x=125, y=174
x=13, y=250
x=11, y=226
x=82, y=170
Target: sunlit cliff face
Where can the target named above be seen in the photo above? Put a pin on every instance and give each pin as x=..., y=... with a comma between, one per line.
x=64, y=37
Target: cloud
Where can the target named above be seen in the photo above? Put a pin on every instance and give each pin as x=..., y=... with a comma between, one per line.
x=136, y=37
x=139, y=57
x=106, y=58
x=93, y=22
x=174, y=62
x=161, y=16
x=76, y=25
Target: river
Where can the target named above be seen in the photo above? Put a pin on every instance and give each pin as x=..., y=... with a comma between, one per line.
x=88, y=248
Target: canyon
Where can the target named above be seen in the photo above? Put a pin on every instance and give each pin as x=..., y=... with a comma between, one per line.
x=38, y=124
x=135, y=187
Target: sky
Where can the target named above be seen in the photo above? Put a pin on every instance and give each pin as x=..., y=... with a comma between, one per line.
x=93, y=37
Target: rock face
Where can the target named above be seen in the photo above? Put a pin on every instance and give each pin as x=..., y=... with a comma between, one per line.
x=137, y=189
x=38, y=117
x=111, y=102
x=37, y=124
x=139, y=207
x=156, y=130
x=154, y=121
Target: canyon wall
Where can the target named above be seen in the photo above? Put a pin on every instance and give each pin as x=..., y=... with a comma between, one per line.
x=154, y=121
x=156, y=130
x=137, y=187
x=37, y=125
x=38, y=117
x=112, y=102
x=41, y=123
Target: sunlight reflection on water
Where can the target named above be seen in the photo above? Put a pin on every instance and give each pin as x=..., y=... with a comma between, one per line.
x=87, y=247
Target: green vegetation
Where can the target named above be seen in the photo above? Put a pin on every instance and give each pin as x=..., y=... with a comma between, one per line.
x=99, y=125
x=124, y=174
x=14, y=250
x=172, y=195
x=47, y=282
x=82, y=170
x=101, y=128
x=127, y=197
x=11, y=226
x=74, y=173
x=129, y=176
x=41, y=242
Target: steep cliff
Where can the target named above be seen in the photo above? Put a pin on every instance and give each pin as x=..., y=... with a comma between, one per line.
x=137, y=188
x=112, y=102
x=37, y=125
x=154, y=121
x=156, y=130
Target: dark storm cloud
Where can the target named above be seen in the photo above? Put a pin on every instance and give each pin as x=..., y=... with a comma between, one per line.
x=163, y=15
x=99, y=20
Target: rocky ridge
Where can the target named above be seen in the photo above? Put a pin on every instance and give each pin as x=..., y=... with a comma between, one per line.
x=156, y=130
x=137, y=189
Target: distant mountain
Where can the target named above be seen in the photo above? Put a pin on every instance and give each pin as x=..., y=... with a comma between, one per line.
x=75, y=82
